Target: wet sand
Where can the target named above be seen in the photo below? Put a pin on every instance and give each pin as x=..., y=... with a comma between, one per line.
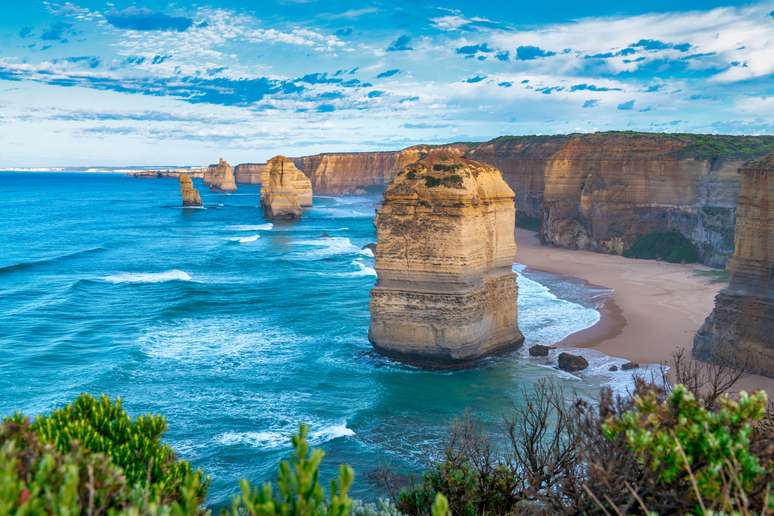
x=655, y=308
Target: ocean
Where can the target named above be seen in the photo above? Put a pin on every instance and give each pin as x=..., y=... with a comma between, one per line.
x=237, y=329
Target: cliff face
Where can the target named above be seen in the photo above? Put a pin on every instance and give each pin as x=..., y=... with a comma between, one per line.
x=251, y=173
x=286, y=190
x=350, y=172
x=190, y=194
x=220, y=177
x=445, y=246
x=741, y=328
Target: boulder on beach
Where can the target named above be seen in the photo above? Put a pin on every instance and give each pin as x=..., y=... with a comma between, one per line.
x=629, y=365
x=539, y=350
x=571, y=363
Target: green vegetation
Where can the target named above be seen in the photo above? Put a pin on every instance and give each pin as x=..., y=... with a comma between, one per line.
x=526, y=222
x=688, y=449
x=669, y=246
x=450, y=181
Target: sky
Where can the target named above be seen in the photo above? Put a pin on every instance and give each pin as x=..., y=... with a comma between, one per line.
x=122, y=82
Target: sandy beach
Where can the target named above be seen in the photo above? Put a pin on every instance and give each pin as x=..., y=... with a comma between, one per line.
x=654, y=310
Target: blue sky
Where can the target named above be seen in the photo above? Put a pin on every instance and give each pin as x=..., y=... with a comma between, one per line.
x=91, y=82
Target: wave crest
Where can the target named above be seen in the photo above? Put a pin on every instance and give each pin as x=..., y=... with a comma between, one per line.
x=149, y=277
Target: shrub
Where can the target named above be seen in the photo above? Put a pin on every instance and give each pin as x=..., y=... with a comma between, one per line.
x=300, y=492
x=670, y=246
x=527, y=222
x=103, y=426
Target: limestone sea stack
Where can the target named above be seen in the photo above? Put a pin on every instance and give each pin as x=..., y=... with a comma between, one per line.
x=741, y=327
x=191, y=197
x=220, y=177
x=251, y=173
x=285, y=191
x=446, y=293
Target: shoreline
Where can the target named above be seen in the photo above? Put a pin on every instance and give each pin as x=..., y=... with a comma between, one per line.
x=653, y=310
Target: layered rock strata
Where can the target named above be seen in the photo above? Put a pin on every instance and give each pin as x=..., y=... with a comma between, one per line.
x=251, y=173
x=191, y=197
x=220, y=177
x=446, y=292
x=740, y=329
x=286, y=191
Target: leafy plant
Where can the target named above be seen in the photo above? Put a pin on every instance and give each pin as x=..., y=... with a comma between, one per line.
x=103, y=426
x=300, y=492
x=678, y=437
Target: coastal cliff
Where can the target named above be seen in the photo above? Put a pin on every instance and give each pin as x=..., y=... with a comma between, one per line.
x=741, y=327
x=445, y=292
x=601, y=191
x=285, y=191
x=251, y=173
x=220, y=177
x=190, y=195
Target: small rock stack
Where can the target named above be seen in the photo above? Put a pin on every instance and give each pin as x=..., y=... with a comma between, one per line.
x=286, y=191
x=191, y=197
x=220, y=177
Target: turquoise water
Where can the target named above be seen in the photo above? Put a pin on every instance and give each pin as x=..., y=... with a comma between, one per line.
x=233, y=328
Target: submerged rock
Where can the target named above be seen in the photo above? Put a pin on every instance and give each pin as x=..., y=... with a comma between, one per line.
x=286, y=191
x=628, y=366
x=740, y=330
x=220, y=177
x=613, y=368
x=571, y=363
x=446, y=293
x=190, y=194
x=539, y=350
x=371, y=247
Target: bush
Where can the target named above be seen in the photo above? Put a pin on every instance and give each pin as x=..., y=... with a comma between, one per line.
x=669, y=246
x=103, y=426
x=527, y=222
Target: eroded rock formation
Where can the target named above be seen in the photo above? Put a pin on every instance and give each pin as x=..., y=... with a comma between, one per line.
x=251, y=173
x=191, y=197
x=286, y=191
x=741, y=327
x=446, y=292
x=220, y=177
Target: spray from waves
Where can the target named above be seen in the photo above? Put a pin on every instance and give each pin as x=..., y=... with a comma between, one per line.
x=367, y=252
x=362, y=271
x=15, y=267
x=149, y=277
x=274, y=440
x=252, y=227
x=244, y=240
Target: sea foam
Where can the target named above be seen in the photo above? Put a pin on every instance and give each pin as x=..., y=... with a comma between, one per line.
x=273, y=439
x=149, y=277
x=244, y=240
x=327, y=247
x=252, y=227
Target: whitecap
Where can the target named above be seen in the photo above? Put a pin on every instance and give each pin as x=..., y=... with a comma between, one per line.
x=327, y=247
x=363, y=270
x=252, y=227
x=149, y=277
x=367, y=252
x=244, y=240
x=272, y=439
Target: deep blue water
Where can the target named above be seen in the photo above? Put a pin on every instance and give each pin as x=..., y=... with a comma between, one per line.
x=234, y=329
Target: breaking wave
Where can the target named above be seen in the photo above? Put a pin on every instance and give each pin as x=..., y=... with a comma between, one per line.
x=149, y=277
x=273, y=439
x=252, y=227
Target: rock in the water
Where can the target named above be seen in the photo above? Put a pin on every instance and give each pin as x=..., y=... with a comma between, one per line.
x=286, y=191
x=613, y=368
x=446, y=293
x=190, y=194
x=571, y=363
x=371, y=247
x=220, y=177
x=629, y=366
x=740, y=330
x=325, y=234
x=539, y=350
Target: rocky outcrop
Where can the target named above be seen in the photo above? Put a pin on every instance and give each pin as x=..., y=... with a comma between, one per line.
x=446, y=293
x=741, y=327
x=220, y=177
x=572, y=363
x=191, y=197
x=286, y=191
x=251, y=173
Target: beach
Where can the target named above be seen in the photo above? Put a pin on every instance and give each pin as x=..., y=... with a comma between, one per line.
x=654, y=310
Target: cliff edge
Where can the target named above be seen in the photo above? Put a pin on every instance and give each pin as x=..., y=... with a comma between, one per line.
x=741, y=327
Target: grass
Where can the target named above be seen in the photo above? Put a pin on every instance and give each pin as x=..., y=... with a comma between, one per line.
x=669, y=246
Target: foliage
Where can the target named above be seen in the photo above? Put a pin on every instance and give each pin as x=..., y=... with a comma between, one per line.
x=679, y=435
x=103, y=426
x=670, y=246
x=526, y=222
x=300, y=492
x=36, y=478
x=449, y=180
